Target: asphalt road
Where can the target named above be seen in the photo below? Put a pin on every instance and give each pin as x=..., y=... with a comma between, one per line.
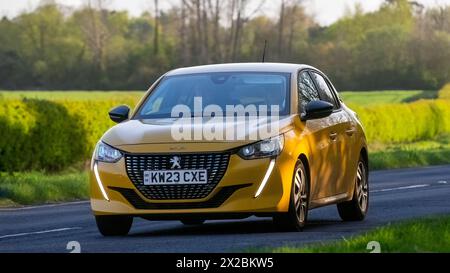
x=395, y=195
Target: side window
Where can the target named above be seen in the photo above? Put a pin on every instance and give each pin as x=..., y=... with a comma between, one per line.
x=307, y=91
x=324, y=90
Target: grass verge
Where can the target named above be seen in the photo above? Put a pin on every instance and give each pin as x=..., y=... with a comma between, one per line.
x=409, y=155
x=39, y=188
x=368, y=98
x=413, y=236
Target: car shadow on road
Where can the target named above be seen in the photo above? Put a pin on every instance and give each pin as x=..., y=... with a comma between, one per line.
x=256, y=226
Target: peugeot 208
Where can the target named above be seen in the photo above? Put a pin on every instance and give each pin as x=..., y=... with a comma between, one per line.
x=231, y=141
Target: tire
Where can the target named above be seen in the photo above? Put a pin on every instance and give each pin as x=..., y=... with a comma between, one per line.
x=295, y=219
x=356, y=209
x=192, y=222
x=114, y=225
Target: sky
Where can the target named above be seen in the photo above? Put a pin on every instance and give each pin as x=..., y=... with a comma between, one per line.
x=325, y=11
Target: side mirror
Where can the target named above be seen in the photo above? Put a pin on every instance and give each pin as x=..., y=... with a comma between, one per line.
x=317, y=109
x=119, y=114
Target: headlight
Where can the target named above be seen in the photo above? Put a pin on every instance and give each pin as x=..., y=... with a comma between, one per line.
x=106, y=153
x=266, y=148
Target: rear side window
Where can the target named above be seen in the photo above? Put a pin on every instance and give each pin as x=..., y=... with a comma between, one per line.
x=307, y=91
x=324, y=90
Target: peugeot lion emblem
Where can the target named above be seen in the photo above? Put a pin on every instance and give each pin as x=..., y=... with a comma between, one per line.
x=175, y=162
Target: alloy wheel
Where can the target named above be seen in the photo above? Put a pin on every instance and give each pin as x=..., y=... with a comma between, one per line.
x=300, y=195
x=362, y=186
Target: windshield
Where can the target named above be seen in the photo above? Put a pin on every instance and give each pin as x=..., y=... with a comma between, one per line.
x=218, y=89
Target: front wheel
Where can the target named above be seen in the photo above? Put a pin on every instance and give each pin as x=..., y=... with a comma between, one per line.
x=114, y=225
x=295, y=219
x=356, y=209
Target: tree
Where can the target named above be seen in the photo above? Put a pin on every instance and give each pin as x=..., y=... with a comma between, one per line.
x=156, y=35
x=400, y=45
x=94, y=25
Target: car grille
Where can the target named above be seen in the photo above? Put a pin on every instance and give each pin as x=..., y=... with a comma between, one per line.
x=214, y=202
x=215, y=164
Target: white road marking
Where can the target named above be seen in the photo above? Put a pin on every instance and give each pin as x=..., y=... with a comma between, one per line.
x=37, y=232
x=44, y=206
x=442, y=182
x=402, y=188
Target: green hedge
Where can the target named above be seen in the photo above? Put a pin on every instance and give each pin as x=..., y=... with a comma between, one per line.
x=444, y=93
x=50, y=135
x=406, y=122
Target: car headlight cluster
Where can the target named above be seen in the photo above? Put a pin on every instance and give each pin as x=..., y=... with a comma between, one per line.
x=266, y=148
x=106, y=153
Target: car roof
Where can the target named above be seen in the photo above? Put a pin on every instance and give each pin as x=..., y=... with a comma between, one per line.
x=240, y=67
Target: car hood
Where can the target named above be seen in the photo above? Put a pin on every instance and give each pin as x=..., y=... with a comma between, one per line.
x=148, y=133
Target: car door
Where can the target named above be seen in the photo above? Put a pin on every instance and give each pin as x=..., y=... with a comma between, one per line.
x=340, y=142
x=317, y=133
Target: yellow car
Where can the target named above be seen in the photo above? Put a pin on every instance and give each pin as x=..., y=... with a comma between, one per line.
x=231, y=141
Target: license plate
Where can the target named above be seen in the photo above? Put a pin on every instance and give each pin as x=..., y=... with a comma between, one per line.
x=181, y=177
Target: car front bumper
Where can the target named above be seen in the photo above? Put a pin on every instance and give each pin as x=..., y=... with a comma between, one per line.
x=234, y=195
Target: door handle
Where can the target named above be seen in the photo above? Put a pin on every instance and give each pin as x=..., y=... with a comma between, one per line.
x=350, y=132
x=333, y=136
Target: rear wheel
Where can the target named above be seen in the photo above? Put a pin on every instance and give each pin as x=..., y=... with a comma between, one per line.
x=192, y=222
x=297, y=215
x=114, y=225
x=356, y=209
